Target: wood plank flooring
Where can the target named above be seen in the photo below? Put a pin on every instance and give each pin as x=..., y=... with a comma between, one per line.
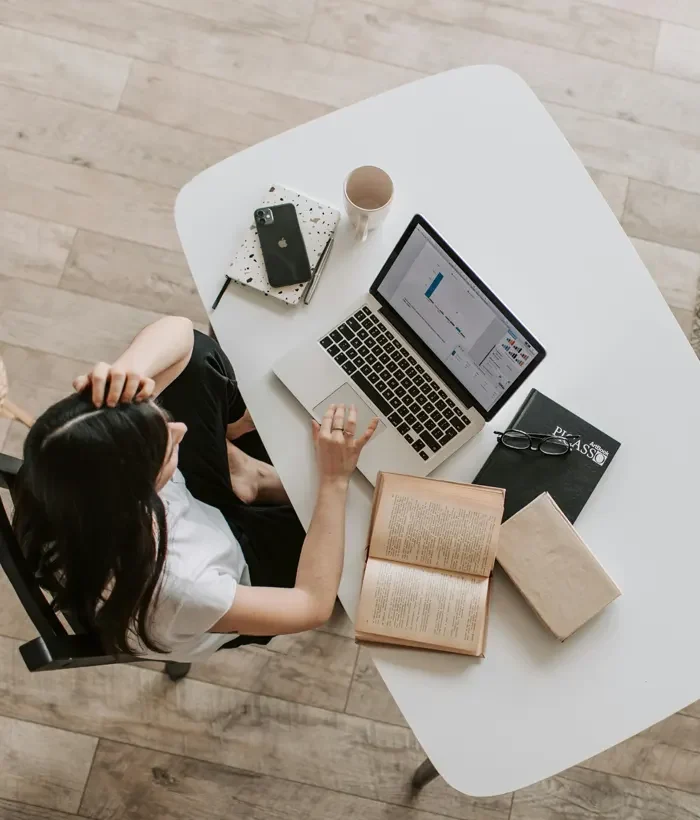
x=106, y=108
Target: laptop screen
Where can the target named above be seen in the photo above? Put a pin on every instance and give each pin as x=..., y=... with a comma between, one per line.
x=457, y=318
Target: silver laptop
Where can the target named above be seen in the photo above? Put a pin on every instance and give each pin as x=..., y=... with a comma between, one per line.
x=430, y=350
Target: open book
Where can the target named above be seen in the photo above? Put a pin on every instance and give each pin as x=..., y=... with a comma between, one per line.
x=432, y=547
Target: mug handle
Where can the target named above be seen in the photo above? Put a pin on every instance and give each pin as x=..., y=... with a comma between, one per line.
x=362, y=228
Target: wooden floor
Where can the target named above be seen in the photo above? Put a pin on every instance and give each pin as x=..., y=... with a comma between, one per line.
x=106, y=108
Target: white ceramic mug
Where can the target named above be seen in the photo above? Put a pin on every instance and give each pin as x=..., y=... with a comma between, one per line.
x=369, y=192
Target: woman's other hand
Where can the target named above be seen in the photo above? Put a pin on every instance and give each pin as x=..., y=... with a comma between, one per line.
x=111, y=384
x=337, y=449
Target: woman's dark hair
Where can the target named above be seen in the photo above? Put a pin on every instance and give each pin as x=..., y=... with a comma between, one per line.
x=88, y=516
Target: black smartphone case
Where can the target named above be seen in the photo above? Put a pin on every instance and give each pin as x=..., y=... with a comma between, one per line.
x=283, y=248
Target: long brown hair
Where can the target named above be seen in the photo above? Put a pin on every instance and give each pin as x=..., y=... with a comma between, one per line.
x=88, y=516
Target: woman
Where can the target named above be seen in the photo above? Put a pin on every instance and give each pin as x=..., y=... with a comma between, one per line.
x=158, y=559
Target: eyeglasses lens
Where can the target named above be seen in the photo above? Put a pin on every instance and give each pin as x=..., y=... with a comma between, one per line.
x=518, y=441
x=554, y=446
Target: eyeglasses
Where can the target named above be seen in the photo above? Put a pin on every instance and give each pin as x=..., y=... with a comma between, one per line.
x=545, y=443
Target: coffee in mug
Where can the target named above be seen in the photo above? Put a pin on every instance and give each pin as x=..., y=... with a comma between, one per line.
x=369, y=192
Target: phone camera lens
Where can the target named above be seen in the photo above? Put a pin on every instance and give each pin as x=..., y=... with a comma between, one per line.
x=263, y=216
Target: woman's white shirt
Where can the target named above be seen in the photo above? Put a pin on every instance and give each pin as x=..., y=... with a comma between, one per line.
x=203, y=567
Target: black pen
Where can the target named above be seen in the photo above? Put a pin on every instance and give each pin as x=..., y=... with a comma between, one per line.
x=313, y=284
x=221, y=293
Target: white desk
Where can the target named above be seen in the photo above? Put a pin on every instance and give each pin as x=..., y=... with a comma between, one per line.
x=475, y=152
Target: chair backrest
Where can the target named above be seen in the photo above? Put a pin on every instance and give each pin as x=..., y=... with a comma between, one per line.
x=56, y=647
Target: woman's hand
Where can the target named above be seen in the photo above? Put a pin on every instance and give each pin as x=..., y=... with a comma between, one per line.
x=337, y=449
x=112, y=384
x=156, y=357
x=274, y=610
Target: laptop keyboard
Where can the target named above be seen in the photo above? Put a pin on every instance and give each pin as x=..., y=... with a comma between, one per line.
x=395, y=381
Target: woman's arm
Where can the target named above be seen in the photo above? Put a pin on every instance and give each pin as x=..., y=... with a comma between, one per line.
x=156, y=357
x=271, y=610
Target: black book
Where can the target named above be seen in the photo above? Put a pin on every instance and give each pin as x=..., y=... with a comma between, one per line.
x=569, y=479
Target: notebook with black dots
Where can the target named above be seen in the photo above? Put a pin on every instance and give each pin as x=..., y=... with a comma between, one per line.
x=317, y=221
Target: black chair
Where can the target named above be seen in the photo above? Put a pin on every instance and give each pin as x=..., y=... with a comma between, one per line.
x=56, y=647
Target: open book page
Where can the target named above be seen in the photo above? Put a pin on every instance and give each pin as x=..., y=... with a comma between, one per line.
x=425, y=607
x=437, y=524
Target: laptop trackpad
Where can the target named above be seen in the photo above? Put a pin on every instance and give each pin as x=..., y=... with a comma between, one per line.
x=347, y=396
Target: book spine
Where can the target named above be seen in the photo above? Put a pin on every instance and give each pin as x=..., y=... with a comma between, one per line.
x=524, y=409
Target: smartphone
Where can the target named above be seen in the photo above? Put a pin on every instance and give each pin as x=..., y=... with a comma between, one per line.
x=283, y=248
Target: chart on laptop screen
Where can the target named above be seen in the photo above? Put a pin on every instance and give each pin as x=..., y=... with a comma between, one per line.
x=464, y=329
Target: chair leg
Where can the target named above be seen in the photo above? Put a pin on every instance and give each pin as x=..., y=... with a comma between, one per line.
x=423, y=775
x=177, y=671
x=12, y=411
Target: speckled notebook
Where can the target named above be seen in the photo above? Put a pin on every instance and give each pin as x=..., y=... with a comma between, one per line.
x=317, y=222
